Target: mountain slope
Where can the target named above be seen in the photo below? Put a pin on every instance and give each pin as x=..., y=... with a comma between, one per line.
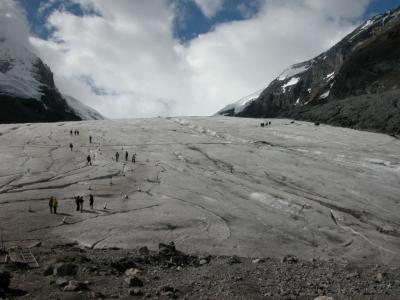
x=27, y=89
x=354, y=84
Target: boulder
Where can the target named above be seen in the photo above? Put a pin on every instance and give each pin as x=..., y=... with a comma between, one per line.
x=123, y=264
x=144, y=251
x=65, y=269
x=133, y=281
x=74, y=286
x=5, y=278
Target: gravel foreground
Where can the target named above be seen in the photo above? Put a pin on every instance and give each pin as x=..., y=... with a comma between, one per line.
x=71, y=272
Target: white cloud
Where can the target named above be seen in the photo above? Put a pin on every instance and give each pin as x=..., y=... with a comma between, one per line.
x=209, y=7
x=129, y=53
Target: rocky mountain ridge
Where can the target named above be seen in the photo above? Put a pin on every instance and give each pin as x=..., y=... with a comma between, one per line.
x=28, y=92
x=354, y=84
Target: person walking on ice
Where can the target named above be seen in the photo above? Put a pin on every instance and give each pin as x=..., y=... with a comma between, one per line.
x=91, y=201
x=134, y=158
x=77, y=202
x=71, y=146
x=116, y=156
x=81, y=203
x=55, y=205
x=51, y=204
x=126, y=156
x=89, y=160
x=90, y=139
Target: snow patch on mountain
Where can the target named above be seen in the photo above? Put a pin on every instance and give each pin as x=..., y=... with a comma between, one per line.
x=293, y=71
x=17, y=69
x=291, y=82
x=240, y=105
x=82, y=110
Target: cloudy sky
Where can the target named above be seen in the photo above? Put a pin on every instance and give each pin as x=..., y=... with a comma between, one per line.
x=144, y=58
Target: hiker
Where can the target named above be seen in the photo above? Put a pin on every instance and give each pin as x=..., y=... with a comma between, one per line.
x=71, y=146
x=89, y=160
x=126, y=155
x=51, y=204
x=269, y=122
x=70, y=132
x=77, y=132
x=77, y=203
x=55, y=205
x=134, y=158
x=81, y=203
x=91, y=201
x=116, y=156
x=90, y=139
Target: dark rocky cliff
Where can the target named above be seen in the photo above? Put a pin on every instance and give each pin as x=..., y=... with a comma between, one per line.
x=354, y=84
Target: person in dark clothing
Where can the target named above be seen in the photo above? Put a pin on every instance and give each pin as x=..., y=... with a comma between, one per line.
x=134, y=157
x=91, y=201
x=77, y=202
x=71, y=146
x=116, y=156
x=77, y=132
x=51, y=204
x=89, y=160
x=126, y=155
x=81, y=203
x=90, y=139
x=70, y=132
x=55, y=205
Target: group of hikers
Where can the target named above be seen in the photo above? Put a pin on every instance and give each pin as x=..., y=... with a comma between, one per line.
x=53, y=204
x=79, y=202
x=126, y=156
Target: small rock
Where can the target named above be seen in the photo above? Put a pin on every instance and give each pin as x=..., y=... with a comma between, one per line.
x=61, y=282
x=144, y=251
x=168, y=291
x=133, y=281
x=48, y=271
x=203, y=262
x=323, y=298
x=234, y=260
x=179, y=268
x=74, y=286
x=290, y=259
x=132, y=272
x=65, y=269
x=378, y=277
x=257, y=260
x=135, y=292
x=5, y=278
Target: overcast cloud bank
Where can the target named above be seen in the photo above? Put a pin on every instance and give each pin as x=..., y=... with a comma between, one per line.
x=125, y=61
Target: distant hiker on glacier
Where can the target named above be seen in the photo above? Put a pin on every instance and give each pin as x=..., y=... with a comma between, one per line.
x=116, y=156
x=126, y=155
x=77, y=202
x=51, y=204
x=90, y=139
x=91, y=201
x=70, y=132
x=89, y=160
x=81, y=203
x=134, y=157
x=71, y=146
x=55, y=205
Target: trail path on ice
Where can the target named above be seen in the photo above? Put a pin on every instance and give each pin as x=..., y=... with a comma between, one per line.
x=216, y=185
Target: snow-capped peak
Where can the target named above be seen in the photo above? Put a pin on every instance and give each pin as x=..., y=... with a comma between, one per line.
x=240, y=105
x=83, y=111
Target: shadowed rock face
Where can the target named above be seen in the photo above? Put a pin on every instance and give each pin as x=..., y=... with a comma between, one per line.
x=51, y=108
x=354, y=84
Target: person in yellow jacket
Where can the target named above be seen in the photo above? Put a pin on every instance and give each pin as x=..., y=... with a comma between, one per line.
x=55, y=205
